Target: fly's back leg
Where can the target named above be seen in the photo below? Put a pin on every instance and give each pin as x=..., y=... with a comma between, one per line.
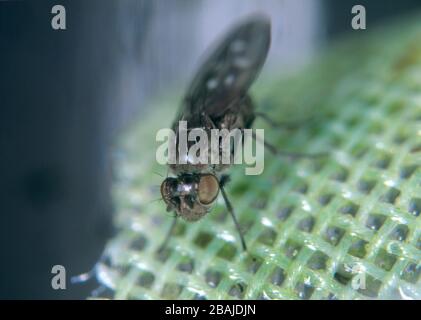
x=290, y=125
x=224, y=179
x=293, y=155
x=168, y=236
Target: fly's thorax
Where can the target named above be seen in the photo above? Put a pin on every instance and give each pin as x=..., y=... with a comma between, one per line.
x=179, y=169
x=240, y=116
x=191, y=196
x=213, y=160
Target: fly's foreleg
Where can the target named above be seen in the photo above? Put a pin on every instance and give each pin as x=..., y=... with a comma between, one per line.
x=207, y=121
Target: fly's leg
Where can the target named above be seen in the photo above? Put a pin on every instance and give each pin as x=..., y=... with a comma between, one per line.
x=224, y=179
x=293, y=155
x=208, y=121
x=281, y=124
x=168, y=236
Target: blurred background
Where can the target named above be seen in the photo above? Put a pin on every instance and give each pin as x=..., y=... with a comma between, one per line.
x=66, y=95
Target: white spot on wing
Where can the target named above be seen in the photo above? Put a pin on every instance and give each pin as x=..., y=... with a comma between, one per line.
x=212, y=83
x=229, y=80
x=238, y=46
x=242, y=62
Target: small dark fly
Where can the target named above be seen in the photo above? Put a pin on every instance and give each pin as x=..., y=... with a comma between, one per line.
x=218, y=98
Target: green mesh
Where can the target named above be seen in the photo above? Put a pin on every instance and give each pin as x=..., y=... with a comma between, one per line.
x=308, y=223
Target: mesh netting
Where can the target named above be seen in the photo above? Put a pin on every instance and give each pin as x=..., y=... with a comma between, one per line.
x=311, y=226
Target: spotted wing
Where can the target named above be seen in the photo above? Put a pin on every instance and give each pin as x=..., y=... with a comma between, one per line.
x=230, y=69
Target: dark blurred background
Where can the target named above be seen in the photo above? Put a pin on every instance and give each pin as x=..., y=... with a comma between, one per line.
x=65, y=96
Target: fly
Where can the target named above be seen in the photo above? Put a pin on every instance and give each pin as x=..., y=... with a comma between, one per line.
x=218, y=99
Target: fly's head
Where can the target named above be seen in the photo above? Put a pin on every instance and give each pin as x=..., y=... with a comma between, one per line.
x=190, y=195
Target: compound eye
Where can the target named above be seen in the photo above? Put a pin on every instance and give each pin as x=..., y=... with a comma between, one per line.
x=164, y=192
x=208, y=189
x=167, y=190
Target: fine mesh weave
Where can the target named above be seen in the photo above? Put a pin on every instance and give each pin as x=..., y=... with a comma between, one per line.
x=312, y=226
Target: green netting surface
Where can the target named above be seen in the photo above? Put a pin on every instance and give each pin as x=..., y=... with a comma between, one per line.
x=309, y=224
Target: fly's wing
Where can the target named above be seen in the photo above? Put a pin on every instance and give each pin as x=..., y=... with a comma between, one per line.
x=226, y=75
